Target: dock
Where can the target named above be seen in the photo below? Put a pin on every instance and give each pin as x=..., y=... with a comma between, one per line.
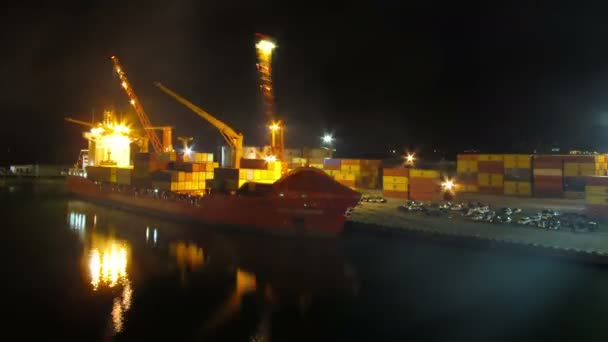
x=386, y=218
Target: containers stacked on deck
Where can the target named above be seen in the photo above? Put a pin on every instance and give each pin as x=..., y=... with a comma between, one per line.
x=467, y=169
x=491, y=174
x=596, y=195
x=518, y=174
x=109, y=174
x=424, y=185
x=259, y=171
x=577, y=168
x=395, y=182
x=354, y=173
x=186, y=176
x=548, y=175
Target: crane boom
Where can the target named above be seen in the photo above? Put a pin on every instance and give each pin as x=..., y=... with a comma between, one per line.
x=141, y=114
x=234, y=139
x=79, y=122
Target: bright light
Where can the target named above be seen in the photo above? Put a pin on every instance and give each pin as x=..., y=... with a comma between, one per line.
x=188, y=150
x=410, y=158
x=124, y=85
x=448, y=185
x=108, y=266
x=133, y=102
x=270, y=158
x=96, y=130
x=274, y=127
x=327, y=138
x=266, y=46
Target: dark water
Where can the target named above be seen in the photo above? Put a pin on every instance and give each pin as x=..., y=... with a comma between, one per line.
x=78, y=271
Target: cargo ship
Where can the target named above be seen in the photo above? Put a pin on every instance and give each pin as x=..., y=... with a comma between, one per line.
x=304, y=201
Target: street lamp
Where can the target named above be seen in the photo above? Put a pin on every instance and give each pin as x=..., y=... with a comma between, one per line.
x=328, y=139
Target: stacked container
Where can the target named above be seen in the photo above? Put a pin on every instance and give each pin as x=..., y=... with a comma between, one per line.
x=577, y=168
x=467, y=168
x=316, y=163
x=491, y=174
x=518, y=174
x=395, y=182
x=596, y=195
x=424, y=185
x=548, y=176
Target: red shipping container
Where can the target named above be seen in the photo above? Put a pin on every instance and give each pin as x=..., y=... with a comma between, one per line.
x=396, y=172
x=396, y=194
x=491, y=166
x=468, y=156
x=548, y=180
x=548, y=162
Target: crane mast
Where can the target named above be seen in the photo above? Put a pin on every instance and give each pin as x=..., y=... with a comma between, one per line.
x=264, y=48
x=141, y=114
x=234, y=139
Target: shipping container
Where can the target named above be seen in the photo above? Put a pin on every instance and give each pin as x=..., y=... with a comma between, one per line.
x=260, y=164
x=467, y=166
x=419, y=173
x=490, y=157
x=518, y=174
x=516, y=188
x=332, y=164
x=547, y=162
x=491, y=167
x=395, y=194
x=518, y=161
x=596, y=196
x=574, y=184
x=398, y=171
x=467, y=157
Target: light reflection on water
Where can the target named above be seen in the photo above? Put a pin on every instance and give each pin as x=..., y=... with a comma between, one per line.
x=107, y=261
x=260, y=272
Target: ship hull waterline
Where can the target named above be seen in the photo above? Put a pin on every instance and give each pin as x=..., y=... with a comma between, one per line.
x=323, y=217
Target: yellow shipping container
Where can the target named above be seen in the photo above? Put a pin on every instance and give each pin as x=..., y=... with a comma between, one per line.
x=596, y=199
x=209, y=175
x=201, y=185
x=467, y=166
x=350, y=168
x=395, y=187
x=483, y=179
x=417, y=173
x=518, y=161
x=174, y=186
x=518, y=188
x=181, y=176
x=467, y=188
x=318, y=166
x=490, y=157
x=394, y=180
x=259, y=174
x=596, y=190
x=496, y=180
x=345, y=176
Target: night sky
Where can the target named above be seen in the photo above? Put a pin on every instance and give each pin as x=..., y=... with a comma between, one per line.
x=497, y=76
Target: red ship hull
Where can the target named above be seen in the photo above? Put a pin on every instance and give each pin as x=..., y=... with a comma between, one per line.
x=306, y=201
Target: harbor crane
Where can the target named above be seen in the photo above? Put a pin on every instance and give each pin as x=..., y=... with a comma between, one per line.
x=233, y=138
x=264, y=48
x=141, y=114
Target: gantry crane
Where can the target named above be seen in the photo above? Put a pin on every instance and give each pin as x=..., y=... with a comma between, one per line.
x=264, y=48
x=234, y=139
x=141, y=114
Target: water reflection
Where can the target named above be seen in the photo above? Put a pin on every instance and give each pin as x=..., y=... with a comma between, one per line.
x=107, y=260
x=202, y=284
